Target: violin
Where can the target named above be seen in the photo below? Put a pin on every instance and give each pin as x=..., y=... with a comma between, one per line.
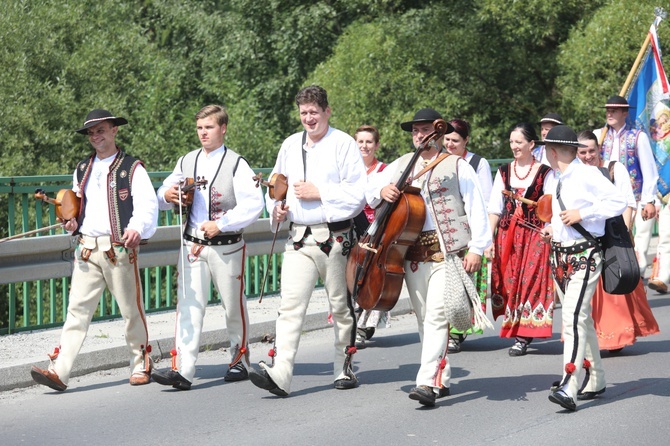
x=188, y=187
x=277, y=185
x=66, y=205
x=277, y=189
x=542, y=205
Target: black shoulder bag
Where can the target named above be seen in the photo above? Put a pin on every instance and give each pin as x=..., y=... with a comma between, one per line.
x=621, y=272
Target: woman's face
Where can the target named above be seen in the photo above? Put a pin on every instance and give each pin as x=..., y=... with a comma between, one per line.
x=367, y=145
x=521, y=147
x=455, y=143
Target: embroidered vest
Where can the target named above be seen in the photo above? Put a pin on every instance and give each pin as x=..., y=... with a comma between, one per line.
x=446, y=206
x=627, y=155
x=534, y=192
x=221, y=189
x=119, y=191
x=444, y=202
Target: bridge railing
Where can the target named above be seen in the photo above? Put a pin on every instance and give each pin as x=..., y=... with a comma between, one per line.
x=35, y=272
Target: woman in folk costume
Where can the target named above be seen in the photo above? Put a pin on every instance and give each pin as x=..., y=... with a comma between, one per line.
x=522, y=289
x=619, y=319
x=367, y=138
x=456, y=143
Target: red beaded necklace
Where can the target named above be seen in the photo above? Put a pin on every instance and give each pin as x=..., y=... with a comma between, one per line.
x=529, y=170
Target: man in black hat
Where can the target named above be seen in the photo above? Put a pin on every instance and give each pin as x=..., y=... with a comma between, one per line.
x=582, y=195
x=437, y=269
x=548, y=122
x=621, y=142
x=118, y=210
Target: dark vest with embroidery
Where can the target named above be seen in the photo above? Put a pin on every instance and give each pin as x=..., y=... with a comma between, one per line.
x=119, y=191
x=627, y=155
x=534, y=192
x=221, y=190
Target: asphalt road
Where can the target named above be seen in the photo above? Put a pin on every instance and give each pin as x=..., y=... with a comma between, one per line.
x=495, y=399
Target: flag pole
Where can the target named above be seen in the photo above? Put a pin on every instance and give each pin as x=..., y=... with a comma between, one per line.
x=660, y=15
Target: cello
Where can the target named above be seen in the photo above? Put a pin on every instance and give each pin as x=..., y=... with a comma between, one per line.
x=375, y=268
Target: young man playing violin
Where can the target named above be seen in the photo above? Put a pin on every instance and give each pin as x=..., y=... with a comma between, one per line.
x=118, y=210
x=437, y=267
x=225, y=200
x=327, y=180
x=581, y=196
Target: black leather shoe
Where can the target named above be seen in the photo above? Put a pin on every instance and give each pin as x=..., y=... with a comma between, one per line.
x=171, y=378
x=444, y=391
x=561, y=398
x=236, y=373
x=585, y=396
x=423, y=394
x=344, y=383
x=262, y=379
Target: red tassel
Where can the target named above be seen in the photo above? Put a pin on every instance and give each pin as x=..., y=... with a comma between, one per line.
x=587, y=364
x=351, y=350
x=54, y=355
x=243, y=350
x=443, y=364
x=570, y=368
x=148, y=348
x=271, y=353
x=173, y=352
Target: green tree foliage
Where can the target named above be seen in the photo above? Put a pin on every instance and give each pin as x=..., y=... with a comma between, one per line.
x=595, y=61
x=156, y=62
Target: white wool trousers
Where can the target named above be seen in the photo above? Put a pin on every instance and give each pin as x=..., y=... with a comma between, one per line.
x=300, y=270
x=89, y=280
x=224, y=266
x=663, y=250
x=579, y=334
x=426, y=292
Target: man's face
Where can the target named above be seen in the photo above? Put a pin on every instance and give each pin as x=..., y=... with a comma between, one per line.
x=210, y=133
x=545, y=127
x=314, y=120
x=616, y=117
x=589, y=155
x=420, y=131
x=102, y=136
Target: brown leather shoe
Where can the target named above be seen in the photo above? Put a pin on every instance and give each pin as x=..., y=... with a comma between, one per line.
x=658, y=286
x=47, y=378
x=140, y=378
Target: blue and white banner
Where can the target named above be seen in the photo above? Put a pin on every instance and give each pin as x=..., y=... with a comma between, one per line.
x=649, y=98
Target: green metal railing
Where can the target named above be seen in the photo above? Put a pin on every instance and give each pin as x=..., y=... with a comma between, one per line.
x=43, y=304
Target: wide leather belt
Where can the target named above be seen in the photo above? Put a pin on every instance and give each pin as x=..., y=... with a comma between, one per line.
x=219, y=240
x=571, y=248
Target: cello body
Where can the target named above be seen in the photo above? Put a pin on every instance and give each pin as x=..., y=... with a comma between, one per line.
x=375, y=278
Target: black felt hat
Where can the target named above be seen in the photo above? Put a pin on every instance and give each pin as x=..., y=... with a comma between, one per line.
x=561, y=135
x=424, y=115
x=553, y=118
x=97, y=116
x=617, y=101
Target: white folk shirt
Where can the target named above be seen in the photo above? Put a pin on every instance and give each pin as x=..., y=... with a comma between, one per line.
x=249, y=198
x=96, y=220
x=645, y=157
x=334, y=166
x=484, y=175
x=473, y=200
x=584, y=188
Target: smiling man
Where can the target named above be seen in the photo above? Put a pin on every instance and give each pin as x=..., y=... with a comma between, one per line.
x=327, y=181
x=118, y=209
x=225, y=201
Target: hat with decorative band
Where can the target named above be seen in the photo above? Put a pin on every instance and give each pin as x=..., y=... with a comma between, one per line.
x=424, y=115
x=97, y=116
x=617, y=101
x=561, y=135
x=551, y=118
